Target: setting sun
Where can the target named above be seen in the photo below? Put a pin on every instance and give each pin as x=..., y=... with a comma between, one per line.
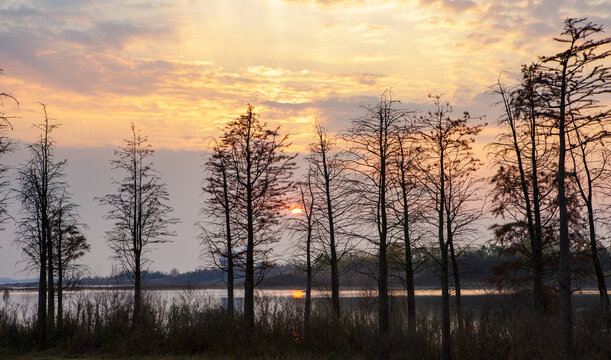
x=296, y=211
x=298, y=294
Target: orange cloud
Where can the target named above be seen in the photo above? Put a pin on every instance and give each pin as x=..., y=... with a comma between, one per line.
x=181, y=70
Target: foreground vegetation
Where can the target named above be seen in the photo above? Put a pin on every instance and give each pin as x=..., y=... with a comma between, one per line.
x=191, y=327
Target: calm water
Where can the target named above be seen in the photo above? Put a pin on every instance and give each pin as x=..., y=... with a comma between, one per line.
x=24, y=303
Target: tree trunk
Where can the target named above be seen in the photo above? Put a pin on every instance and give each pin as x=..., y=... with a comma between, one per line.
x=445, y=297
x=230, y=301
x=46, y=226
x=42, y=296
x=537, y=244
x=566, y=311
x=50, y=278
x=587, y=198
x=409, y=271
x=383, y=301
x=384, y=312
x=446, y=341
x=60, y=279
x=536, y=255
x=308, y=296
x=383, y=305
x=137, y=291
x=455, y=274
x=334, y=268
x=249, y=281
x=335, y=282
x=137, y=236
x=600, y=276
x=50, y=288
x=60, y=300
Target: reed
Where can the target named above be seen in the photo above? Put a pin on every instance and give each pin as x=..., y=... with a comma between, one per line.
x=100, y=324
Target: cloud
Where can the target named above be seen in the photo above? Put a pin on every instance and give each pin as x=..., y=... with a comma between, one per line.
x=113, y=34
x=179, y=67
x=369, y=31
x=329, y=2
x=455, y=6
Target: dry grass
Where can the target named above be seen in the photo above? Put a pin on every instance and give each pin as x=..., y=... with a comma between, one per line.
x=100, y=328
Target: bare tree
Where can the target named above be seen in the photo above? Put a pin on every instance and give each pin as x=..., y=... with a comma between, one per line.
x=522, y=110
x=302, y=224
x=219, y=231
x=576, y=78
x=591, y=171
x=463, y=206
x=40, y=182
x=445, y=141
x=139, y=211
x=407, y=193
x=257, y=162
x=70, y=244
x=373, y=143
x=331, y=182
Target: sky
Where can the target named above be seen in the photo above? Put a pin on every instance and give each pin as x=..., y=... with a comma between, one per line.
x=180, y=70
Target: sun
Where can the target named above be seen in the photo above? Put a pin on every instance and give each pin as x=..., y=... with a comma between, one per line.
x=297, y=294
x=296, y=211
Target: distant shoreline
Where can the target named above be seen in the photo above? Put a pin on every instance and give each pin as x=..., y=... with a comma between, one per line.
x=466, y=291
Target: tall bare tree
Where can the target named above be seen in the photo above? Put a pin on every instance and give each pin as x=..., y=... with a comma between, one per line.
x=332, y=184
x=40, y=182
x=220, y=235
x=464, y=205
x=70, y=244
x=302, y=224
x=445, y=141
x=527, y=149
x=373, y=142
x=591, y=172
x=257, y=162
x=524, y=186
x=576, y=78
x=407, y=192
x=139, y=211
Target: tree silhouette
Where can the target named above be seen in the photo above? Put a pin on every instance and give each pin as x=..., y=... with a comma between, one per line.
x=525, y=147
x=257, y=162
x=335, y=211
x=446, y=145
x=372, y=141
x=70, y=244
x=575, y=77
x=220, y=233
x=41, y=183
x=302, y=225
x=139, y=211
x=407, y=193
x=590, y=162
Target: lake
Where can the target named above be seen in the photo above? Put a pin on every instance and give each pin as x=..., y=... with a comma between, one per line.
x=24, y=302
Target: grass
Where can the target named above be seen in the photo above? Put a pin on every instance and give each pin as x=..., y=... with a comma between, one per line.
x=99, y=327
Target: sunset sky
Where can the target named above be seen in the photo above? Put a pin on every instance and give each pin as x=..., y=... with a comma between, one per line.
x=180, y=69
